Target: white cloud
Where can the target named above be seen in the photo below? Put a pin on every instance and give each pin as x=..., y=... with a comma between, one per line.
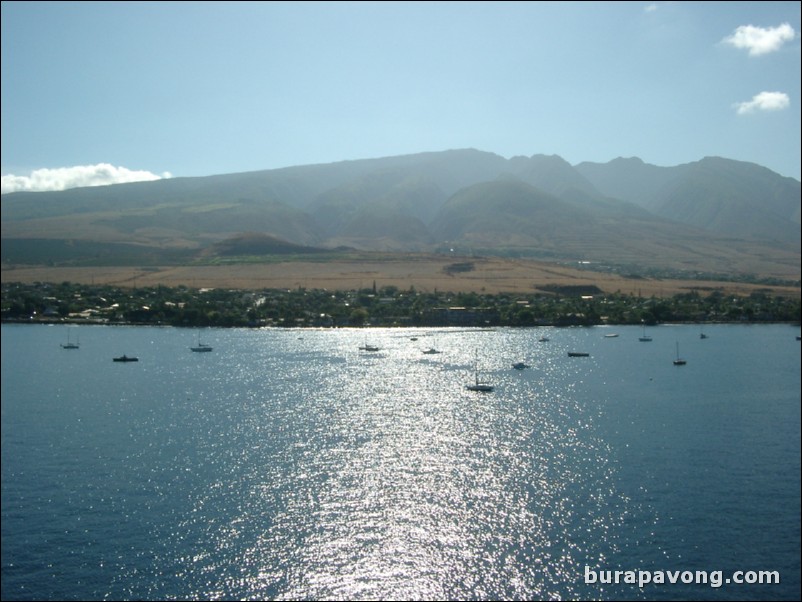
x=761, y=40
x=62, y=178
x=765, y=101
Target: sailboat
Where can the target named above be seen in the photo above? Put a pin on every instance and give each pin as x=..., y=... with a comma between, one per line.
x=367, y=347
x=644, y=338
x=431, y=351
x=679, y=361
x=201, y=347
x=68, y=344
x=479, y=386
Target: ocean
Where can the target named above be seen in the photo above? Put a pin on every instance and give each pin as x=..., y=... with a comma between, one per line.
x=289, y=464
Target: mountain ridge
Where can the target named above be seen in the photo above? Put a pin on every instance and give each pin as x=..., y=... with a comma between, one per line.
x=620, y=211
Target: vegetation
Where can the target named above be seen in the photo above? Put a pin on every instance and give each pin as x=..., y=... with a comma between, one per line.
x=387, y=306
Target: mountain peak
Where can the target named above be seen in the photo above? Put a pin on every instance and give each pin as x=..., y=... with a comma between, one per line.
x=628, y=161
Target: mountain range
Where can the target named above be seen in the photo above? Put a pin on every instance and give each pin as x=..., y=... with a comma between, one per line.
x=715, y=213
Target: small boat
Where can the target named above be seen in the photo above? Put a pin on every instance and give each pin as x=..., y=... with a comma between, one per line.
x=125, y=358
x=611, y=336
x=679, y=361
x=201, y=347
x=479, y=386
x=520, y=365
x=543, y=339
x=367, y=347
x=431, y=350
x=577, y=354
x=644, y=338
x=68, y=344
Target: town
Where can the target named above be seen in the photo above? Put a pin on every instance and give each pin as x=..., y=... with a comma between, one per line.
x=376, y=306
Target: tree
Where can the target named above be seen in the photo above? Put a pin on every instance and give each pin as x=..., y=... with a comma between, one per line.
x=359, y=316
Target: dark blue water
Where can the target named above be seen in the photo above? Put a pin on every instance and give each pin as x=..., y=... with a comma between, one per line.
x=288, y=464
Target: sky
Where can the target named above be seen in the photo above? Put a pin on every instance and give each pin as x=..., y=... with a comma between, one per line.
x=104, y=92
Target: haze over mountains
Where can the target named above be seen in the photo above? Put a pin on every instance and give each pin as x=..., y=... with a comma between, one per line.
x=623, y=211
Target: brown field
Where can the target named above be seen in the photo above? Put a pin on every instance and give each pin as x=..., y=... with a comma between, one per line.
x=424, y=273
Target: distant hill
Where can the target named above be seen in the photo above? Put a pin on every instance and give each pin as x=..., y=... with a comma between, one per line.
x=732, y=198
x=507, y=212
x=554, y=175
x=713, y=214
x=256, y=243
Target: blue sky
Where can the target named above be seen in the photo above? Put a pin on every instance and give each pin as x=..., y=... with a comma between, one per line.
x=99, y=92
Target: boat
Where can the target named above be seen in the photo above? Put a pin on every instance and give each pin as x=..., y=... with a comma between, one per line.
x=520, y=365
x=68, y=344
x=431, y=350
x=644, y=338
x=367, y=347
x=201, y=347
x=477, y=385
x=577, y=354
x=611, y=336
x=543, y=339
x=481, y=387
x=125, y=358
x=679, y=361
